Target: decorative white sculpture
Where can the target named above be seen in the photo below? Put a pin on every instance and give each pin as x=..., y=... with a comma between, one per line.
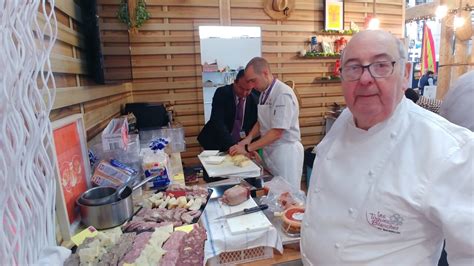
x=27, y=197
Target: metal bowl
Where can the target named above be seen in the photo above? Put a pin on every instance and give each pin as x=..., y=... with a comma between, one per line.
x=98, y=196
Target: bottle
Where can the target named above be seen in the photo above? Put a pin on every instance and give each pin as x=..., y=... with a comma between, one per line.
x=314, y=44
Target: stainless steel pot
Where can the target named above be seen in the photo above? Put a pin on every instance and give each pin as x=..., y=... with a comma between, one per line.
x=98, y=196
x=110, y=214
x=103, y=195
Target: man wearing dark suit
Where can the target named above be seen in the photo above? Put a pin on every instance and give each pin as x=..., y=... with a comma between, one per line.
x=226, y=127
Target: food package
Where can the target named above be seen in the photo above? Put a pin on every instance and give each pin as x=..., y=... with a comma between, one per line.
x=282, y=196
x=236, y=195
x=115, y=135
x=105, y=174
x=155, y=163
x=327, y=47
x=291, y=221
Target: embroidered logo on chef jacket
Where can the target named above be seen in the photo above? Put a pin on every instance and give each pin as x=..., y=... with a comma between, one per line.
x=277, y=108
x=385, y=222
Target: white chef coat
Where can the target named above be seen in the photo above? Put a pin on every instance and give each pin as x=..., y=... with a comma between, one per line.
x=390, y=195
x=280, y=109
x=458, y=104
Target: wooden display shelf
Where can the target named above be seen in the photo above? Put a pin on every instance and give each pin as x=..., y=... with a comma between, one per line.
x=321, y=57
x=327, y=81
x=332, y=33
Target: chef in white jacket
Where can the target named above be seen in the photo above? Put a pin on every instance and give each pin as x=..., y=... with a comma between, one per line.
x=277, y=125
x=391, y=180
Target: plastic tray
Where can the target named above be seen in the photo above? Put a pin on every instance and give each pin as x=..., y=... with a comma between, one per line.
x=241, y=256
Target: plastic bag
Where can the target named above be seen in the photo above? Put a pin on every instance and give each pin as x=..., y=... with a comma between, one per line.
x=282, y=195
x=156, y=162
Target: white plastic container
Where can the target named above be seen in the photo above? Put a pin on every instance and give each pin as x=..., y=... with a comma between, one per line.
x=115, y=135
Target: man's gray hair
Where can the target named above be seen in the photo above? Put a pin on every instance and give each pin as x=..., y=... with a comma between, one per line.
x=259, y=64
x=402, y=51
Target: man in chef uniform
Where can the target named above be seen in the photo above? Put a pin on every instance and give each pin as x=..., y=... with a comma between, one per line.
x=371, y=201
x=277, y=125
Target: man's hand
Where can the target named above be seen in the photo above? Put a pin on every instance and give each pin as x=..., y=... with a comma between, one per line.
x=245, y=141
x=237, y=149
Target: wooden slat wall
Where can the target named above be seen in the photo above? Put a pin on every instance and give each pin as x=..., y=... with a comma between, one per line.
x=166, y=60
x=76, y=92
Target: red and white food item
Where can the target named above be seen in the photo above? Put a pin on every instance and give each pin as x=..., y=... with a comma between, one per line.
x=173, y=247
x=292, y=218
x=138, y=246
x=236, y=195
x=193, y=252
x=152, y=252
x=287, y=201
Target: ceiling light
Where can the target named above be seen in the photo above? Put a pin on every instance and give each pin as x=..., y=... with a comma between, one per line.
x=441, y=11
x=458, y=22
x=374, y=24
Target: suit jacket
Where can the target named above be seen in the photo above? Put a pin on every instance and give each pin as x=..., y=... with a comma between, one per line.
x=216, y=134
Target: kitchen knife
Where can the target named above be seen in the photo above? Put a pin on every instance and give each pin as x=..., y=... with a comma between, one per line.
x=244, y=211
x=222, y=153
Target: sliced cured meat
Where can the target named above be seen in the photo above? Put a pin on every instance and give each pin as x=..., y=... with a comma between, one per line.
x=173, y=247
x=286, y=201
x=117, y=252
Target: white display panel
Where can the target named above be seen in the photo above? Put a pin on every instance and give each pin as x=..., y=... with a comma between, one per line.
x=230, y=48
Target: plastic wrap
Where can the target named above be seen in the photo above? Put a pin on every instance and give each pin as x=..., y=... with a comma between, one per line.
x=281, y=195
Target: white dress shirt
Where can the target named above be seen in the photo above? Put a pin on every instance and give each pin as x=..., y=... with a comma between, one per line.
x=392, y=194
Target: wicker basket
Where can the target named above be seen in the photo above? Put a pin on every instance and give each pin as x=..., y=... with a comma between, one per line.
x=241, y=256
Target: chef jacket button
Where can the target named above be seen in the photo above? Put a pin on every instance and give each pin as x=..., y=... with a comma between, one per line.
x=351, y=210
x=353, y=213
x=306, y=224
x=328, y=159
x=317, y=190
x=337, y=245
x=371, y=173
x=393, y=135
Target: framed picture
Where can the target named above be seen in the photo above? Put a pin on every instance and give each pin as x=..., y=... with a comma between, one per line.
x=72, y=170
x=334, y=14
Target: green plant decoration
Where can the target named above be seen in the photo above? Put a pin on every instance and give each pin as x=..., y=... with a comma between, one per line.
x=141, y=14
x=321, y=54
x=122, y=14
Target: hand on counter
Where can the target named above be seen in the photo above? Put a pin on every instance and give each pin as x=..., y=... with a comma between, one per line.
x=237, y=149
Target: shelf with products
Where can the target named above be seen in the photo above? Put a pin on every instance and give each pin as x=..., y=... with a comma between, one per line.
x=348, y=32
x=218, y=78
x=310, y=55
x=324, y=81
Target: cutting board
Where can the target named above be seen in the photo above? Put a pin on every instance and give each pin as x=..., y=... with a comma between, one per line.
x=245, y=223
x=227, y=168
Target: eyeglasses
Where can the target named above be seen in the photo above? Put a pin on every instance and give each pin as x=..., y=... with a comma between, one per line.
x=380, y=69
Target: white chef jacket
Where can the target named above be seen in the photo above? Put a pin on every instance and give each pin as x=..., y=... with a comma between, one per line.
x=392, y=194
x=280, y=109
x=458, y=104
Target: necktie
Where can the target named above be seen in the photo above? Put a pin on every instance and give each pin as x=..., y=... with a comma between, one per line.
x=239, y=109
